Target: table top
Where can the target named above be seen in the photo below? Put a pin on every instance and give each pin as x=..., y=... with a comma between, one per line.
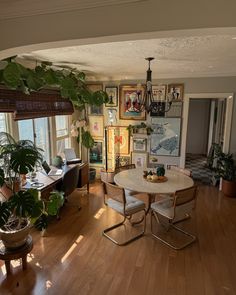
x=132, y=179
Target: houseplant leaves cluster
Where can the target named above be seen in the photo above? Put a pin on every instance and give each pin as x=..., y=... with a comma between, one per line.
x=70, y=83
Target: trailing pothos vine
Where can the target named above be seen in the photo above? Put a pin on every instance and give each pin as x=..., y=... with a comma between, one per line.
x=70, y=83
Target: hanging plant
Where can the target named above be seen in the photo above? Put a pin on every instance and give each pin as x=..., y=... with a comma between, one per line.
x=71, y=84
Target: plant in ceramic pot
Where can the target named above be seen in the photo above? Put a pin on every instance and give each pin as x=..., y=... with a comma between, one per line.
x=226, y=169
x=20, y=208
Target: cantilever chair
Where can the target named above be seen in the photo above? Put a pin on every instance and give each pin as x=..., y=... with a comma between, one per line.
x=182, y=202
x=125, y=206
x=123, y=168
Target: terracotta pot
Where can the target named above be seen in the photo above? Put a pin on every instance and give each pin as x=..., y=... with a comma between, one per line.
x=229, y=188
x=15, y=238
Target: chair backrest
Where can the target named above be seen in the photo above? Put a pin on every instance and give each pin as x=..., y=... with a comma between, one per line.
x=125, y=167
x=69, y=154
x=185, y=196
x=114, y=192
x=182, y=170
x=70, y=180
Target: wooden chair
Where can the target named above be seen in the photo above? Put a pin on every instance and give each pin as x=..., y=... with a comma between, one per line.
x=182, y=202
x=126, y=206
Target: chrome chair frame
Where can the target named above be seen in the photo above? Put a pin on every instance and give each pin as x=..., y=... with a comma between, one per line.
x=171, y=224
x=125, y=217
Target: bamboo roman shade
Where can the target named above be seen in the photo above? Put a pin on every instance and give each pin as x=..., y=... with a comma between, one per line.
x=44, y=103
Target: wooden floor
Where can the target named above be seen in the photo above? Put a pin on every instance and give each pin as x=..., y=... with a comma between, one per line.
x=74, y=258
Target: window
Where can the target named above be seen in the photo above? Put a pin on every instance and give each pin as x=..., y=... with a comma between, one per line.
x=3, y=122
x=62, y=134
x=37, y=131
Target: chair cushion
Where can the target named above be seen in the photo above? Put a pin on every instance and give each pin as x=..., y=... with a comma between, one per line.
x=129, y=193
x=132, y=206
x=164, y=207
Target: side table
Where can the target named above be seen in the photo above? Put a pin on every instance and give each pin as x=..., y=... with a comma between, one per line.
x=19, y=253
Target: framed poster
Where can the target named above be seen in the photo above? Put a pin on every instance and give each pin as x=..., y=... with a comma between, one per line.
x=122, y=161
x=112, y=93
x=176, y=91
x=96, y=153
x=111, y=116
x=139, y=159
x=94, y=109
x=96, y=126
x=130, y=103
x=165, y=140
x=139, y=144
x=159, y=92
x=175, y=110
x=118, y=140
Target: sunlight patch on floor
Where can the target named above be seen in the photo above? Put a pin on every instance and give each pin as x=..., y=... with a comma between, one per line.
x=72, y=248
x=99, y=213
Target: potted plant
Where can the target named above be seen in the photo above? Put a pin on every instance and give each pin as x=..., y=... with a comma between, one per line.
x=21, y=208
x=142, y=128
x=226, y=169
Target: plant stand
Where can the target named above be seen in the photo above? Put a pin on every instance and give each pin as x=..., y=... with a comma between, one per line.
x=20, y=253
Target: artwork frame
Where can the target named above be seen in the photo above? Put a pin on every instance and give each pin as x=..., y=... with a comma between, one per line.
x=96, y=124
x=139, y=159
x=166, y=138
x=122, y=160
x=114, y=140
x=177, y=91
x=95, y=110
x=175, y=110
x=139, y=144
x=159, y=92
x=128, y=102
x=96, y=154
x=112, y=92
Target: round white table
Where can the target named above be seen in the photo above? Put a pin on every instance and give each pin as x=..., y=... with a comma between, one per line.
x=132, y=179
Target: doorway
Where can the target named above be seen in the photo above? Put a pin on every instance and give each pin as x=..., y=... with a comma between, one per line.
x=206, y=125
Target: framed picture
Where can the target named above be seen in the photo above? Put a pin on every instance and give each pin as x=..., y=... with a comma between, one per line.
x=129, y=103
x=112, y=93
x=165, y=140
x=139, y=159
x=177, y=91
x=96, y=153
x=96, y=126
x=175, y=110
x=139, y=144
x=122, y=161
x=93, y=109
x=159, y=92
x=111, y=116
x=118, y=140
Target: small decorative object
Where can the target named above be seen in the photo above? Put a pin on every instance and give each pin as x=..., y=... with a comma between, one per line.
x=139, y=159
x=165, y=139
x=139, y=144
x=96, y=153
x=118, y=140
x=176, y=91
x=130, y=103
x=157, y=177
x=96, y=126
x=57, y=162
x=112, y=93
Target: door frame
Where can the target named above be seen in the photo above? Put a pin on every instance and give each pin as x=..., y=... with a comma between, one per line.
x=228, y=119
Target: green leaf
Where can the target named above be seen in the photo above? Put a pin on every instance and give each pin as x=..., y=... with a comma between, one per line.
x=5, y=213
x=87, y=139
x=56, y=201
x=23, y=203
x=99, y=97
x=42, y=222
x=12, y=75
x=33, y=81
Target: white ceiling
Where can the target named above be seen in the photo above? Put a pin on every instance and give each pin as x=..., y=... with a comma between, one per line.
x=182, y=57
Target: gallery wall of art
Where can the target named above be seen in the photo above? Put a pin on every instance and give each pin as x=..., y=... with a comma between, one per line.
x=162, y=146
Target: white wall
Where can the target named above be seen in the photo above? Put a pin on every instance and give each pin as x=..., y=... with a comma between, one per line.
x=198, y=126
